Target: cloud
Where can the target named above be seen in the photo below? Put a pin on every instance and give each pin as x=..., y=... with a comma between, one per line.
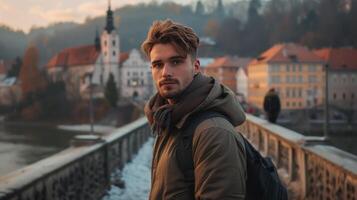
x=55, y=15
x=92, y=8
x=4, y=7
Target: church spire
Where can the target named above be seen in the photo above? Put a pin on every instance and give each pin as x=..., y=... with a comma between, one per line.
x=97, y=41
x=110, y=21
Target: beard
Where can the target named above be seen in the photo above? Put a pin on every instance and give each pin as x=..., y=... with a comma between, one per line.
x=169, y=88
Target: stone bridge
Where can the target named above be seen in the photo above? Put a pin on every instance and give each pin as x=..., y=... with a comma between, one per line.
x=310, y=169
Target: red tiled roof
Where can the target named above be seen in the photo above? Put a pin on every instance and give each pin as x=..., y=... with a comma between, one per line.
x=287, y=53
x=75, y=56
x=3, y=68
x=229, y=61
x=5, y=65
x=123, y=57
x=339, y=58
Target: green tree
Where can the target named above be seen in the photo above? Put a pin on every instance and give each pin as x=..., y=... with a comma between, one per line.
x=15, y=68
x=111, y=92
x=200, y=10
x=228, y=37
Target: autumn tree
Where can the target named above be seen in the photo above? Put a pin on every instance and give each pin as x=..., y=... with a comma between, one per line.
x=31, y=79
x=212, y=27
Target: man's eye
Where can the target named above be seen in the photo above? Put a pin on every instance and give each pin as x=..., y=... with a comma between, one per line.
x=157, y=65
x=176, y=62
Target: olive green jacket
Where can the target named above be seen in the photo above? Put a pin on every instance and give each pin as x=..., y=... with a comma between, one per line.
x=218, y=155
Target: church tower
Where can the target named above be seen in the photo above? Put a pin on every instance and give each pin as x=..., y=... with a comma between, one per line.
x=110, y=49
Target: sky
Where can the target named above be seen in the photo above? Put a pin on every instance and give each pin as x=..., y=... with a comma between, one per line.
x=23, y=14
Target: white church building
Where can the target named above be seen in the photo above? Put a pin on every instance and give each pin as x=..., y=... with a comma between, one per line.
x=136, y=76
x=78, y=66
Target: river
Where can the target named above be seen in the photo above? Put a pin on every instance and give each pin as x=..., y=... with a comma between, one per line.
x=22, y=145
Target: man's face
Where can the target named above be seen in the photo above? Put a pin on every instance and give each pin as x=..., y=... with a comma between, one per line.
x=171, y=72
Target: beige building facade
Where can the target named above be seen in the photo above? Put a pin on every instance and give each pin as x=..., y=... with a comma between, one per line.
x=294, y=71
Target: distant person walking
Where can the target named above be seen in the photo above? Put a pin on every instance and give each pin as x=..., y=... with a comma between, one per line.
x=272, y=105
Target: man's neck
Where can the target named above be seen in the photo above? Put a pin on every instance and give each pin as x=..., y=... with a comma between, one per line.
x=171, y=101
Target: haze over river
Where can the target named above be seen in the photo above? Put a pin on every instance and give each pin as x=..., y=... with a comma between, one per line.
x=22, y=145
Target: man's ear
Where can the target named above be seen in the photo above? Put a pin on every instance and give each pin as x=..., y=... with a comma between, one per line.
x=197, y=66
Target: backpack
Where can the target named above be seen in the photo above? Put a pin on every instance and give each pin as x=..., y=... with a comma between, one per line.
x=262, y=183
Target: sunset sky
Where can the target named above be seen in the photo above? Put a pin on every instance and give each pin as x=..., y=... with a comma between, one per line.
x=23, y=14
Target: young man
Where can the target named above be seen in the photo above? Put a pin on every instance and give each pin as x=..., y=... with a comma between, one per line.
x=218, y=154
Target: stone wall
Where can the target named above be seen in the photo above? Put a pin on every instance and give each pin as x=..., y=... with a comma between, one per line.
x=77, y=172
x=310, y=168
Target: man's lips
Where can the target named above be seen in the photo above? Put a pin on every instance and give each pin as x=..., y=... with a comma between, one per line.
x=167, y=82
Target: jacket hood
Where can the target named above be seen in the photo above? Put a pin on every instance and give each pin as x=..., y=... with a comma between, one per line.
x=220, y=99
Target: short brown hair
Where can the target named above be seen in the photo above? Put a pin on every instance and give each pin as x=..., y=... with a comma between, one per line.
x=183, y=38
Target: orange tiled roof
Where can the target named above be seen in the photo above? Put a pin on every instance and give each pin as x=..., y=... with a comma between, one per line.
x=287, y=53
x=229, y=61
x=74, y=56
x=339, y=58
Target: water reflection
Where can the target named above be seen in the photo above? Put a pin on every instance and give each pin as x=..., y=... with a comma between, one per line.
x=22, y=145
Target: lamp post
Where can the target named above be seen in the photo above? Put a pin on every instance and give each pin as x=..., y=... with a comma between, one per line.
x=327, y=115
x=91, y=117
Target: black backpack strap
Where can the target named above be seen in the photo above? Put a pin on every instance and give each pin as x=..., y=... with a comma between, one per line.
x=184, y=153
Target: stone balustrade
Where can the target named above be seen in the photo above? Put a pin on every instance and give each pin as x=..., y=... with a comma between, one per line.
x=310, y=168
x=79, y=172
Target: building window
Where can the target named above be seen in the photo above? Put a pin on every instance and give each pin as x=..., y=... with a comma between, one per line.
x=288, y=79
x=141, y=74
x=128, y=82
x=293, y=79
x=293, y=104
x=334, y=78
x=287, y=68
x=343, y=96
x=300, y=68
x=287, y=92
x=113, y=53
x=113, y=42
x=128, y=73
x=105, y=53
x=294, y=68
x=300, y=79
x=300, y=104
x=275, y=79
x=312, y=68
x=105, y=43
x=353, y=96
x=293, y=92
x=334, y=96
x=287, y=104
x=312, y=79
x=300, y=92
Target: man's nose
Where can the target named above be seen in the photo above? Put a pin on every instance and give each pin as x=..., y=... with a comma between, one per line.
x=167, y=70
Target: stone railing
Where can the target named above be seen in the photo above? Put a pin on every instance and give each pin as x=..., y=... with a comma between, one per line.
x=78, y=172
x=310, y=169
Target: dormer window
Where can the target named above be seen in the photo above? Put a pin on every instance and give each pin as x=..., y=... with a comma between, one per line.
x=293, y=58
